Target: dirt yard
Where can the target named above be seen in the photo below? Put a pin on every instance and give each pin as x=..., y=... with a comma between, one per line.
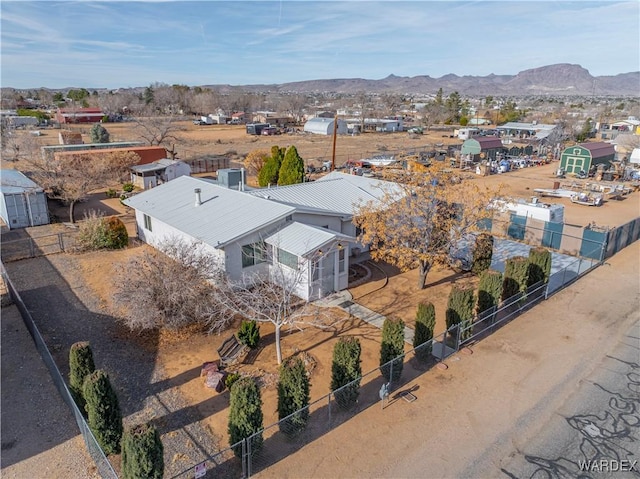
x=178, y=359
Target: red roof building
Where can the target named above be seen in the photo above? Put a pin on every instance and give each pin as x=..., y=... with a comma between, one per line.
x=79, y=115
x=147, y=154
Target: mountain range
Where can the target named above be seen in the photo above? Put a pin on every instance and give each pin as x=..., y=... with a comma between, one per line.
x=560, y=79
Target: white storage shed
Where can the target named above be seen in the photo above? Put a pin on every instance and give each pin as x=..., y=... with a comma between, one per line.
x=22, y=203
x=324, y=126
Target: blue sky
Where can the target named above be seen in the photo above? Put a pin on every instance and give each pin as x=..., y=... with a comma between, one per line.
x=113, y=44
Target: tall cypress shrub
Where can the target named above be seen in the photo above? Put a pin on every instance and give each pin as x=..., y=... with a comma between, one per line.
x=460, y=309
x=425, y=324
x=516, y=274
x=392, y=348
x=142, y=453
x=489, y=290
x=482, y=253
x=293, y=395
x=268, y=175
x=292, y=168
x=245, y=414
x=80, y=366
x=346, y=371
x=539, y=265
x=103, y=411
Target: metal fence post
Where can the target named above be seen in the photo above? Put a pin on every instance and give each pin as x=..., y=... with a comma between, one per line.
x=246, y=453
x=391, y=373
x=32, y=249
x=329, y=408
x=60, y=242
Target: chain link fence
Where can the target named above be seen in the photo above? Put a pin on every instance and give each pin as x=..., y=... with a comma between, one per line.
x=102, y=463
x=277, y=441
x=32, y=247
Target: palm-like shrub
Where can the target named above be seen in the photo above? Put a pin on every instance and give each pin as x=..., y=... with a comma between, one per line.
x=249, y=333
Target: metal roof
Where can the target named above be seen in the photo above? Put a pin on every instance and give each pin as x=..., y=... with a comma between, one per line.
x=515, y=125
x=335, y=192
x=223, y=216
x=302, y=240
x=599, y=149
x=14, y=181
x=155, y=166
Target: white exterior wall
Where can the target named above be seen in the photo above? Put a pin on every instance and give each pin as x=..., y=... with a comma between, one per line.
x=333, y=223
x=161, y=231
x=176, y=170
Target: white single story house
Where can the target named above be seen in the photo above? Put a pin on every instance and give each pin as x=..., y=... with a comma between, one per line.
x=246, y=234
x=153, y=174
x=325, y=126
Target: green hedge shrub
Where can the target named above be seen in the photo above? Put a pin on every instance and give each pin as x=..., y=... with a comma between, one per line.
x=142, y=453
x=425, y=324
x=103, y=411
x=392, y=348
x=482, y=253
x=516, y=275
x=293, y=395
x=489, y=290
x=245, y=414
x=539, y=265
x=346, y=369
x=460, y=309
x=249, y=333
x=80, y=366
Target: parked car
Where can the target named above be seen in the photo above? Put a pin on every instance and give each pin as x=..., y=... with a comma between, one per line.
x=272, y=130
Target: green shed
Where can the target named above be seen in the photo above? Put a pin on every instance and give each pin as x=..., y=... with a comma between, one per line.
x=583, y=156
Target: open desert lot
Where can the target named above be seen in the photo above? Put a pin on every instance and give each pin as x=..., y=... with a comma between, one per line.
x=535, y=359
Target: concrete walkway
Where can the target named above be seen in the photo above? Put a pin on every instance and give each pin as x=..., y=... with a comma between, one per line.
x=344, y=301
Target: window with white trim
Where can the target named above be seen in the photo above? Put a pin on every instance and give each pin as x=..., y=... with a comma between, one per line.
x=147, y=222
x=341, y=261
x=287, y=259
x=253, y=254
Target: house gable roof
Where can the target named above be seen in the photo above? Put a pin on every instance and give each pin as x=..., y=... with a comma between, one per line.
x=223, y=216
x=303, y=240
x=335, y=192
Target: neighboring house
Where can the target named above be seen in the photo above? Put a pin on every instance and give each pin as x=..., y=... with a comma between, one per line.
x=325, y=126
x=50, y=150
x=237, y=228
x=147, y=154
x=609, y=131
x=525, y=131
x=22, y=203
x=150, y=175
x=79, y=115
x=583, y=156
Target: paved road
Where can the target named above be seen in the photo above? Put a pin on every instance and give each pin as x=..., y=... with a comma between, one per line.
x=596, y=432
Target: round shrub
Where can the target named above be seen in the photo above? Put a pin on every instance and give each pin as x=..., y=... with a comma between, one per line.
x=249, y=333
x=116, y=236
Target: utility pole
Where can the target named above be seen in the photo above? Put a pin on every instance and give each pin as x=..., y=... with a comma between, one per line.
x=335, y=134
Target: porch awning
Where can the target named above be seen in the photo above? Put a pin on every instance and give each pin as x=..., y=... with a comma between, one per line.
x=304, y=240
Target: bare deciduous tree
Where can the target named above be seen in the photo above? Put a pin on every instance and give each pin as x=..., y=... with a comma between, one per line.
x=171, y=287
x=157, y=130
x=255, y=160
x=271, y=298
x=71, y=178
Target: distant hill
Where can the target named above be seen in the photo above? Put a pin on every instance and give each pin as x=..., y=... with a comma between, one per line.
x=560, y=79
